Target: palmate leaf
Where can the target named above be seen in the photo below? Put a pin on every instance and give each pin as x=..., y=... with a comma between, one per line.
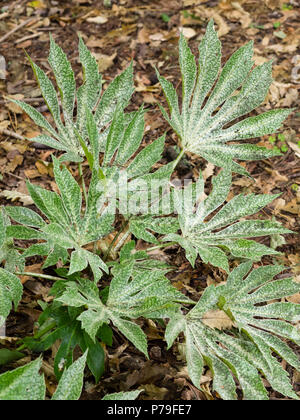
x=67, y=226
x=124, y=176
x=73, y=136
x=246, y=354
x=225, y=231
x=199, y=124
x=134, y=292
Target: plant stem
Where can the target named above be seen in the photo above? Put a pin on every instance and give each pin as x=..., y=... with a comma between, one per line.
x=83, y=183
x=165, y=245
x=39, y=334
x=43, y=276
x=176, y=161
x=115, y=240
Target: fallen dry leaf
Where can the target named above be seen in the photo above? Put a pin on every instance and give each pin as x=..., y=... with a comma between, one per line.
x=104, y=61
x=216, y=318
x=99, y=20
x=188, y=32
x=16, y=195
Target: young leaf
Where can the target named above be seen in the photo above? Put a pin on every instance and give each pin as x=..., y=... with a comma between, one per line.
x=133, y=292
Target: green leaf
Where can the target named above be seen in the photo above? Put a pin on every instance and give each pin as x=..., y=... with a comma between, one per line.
x=119, y=91
x=144, y=161
x=23, y=232
x=134, y=292
x=59, y=235
x=240, y=297
x=132, y=138
x=95, y=357
x=188, y=74
x=133, y=333
x=2, y=228
x=25, y=216
x=7, y=356
x=23, y=384
x=209, y=64
x=64, y=77
x=37, y=117
x=89, y=93
x=11, y=290
x=48, y=92
x=49, y=203
x=70, y=192
x=122, y=396
x=71, y=383
x=115, y=135
x=78, y=261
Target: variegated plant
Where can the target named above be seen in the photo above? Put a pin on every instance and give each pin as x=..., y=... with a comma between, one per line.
x=74, y=137
x=249, y=350
x=226, y=230
x=234, y=328
x=202, y=125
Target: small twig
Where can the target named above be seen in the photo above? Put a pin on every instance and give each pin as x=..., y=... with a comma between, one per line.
x=165, y=245
x=26, y=38
x=4, y=15
x=15, y=29
x=14, y=175
x=43, y=276
x=11, y=134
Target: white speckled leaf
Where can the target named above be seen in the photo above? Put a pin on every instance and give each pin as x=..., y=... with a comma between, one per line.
x=133, y=292
x=201, y=128
x=119, y=91
x=64, y=76
x=224, y=229
x=240, y=298
x=10, y=291
x=23, y=384
x=71, y=382
x=244, y=355
x=67, y=227
x=89, y=93
x=70, y=192
x=122, y=396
